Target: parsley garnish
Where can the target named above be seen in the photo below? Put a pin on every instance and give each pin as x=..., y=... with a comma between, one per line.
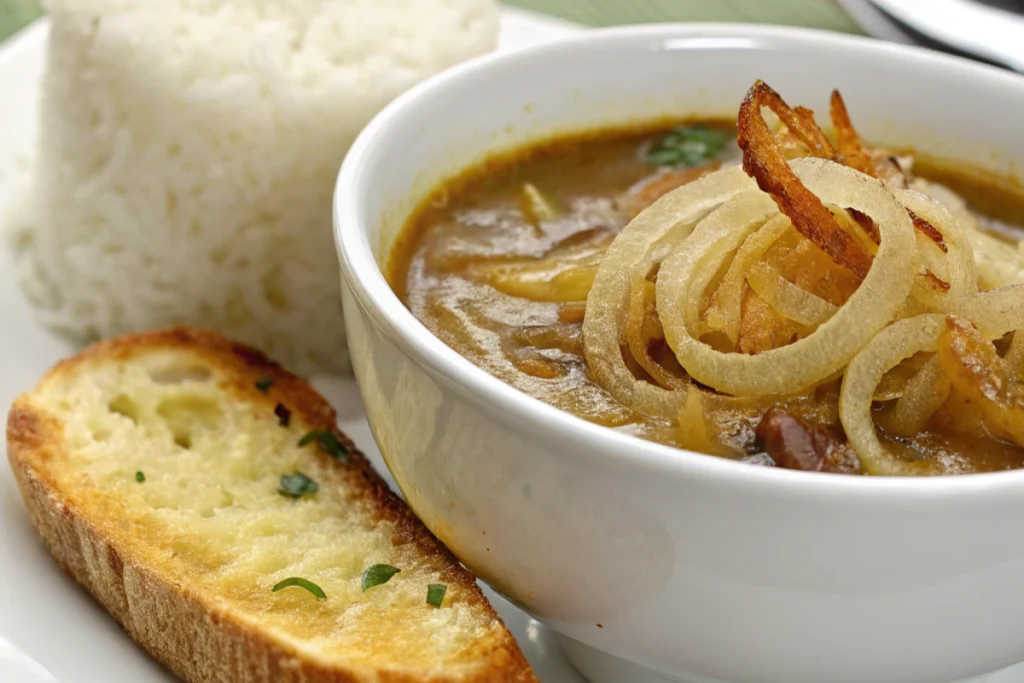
x=140, y=476
x=688, y=146
x=328, y=441
x=435, y=594
x=378, y=574
x=284, y=416
x=301, y=583
x=264, y=384
x=297, y=485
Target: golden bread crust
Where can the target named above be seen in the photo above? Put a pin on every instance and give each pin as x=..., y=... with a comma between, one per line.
x=198, y=637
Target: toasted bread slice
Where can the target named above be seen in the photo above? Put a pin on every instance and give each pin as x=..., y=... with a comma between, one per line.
x=151, y=466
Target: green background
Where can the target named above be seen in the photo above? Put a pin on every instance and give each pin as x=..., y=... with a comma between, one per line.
x=815, y=13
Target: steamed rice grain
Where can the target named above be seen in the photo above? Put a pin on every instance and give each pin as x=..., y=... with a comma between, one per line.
x=188, y=153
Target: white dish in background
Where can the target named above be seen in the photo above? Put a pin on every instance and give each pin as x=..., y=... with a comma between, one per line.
x=875, y=23
x=971, y=27
x=696, y=567
x=51, y=631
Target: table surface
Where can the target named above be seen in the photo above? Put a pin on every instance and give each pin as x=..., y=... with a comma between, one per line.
x=813, y=13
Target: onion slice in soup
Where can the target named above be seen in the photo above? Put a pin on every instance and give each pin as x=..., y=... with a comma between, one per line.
x=726, y=304
x=923, y=394
x=1014, y=357
x=998, y=264
x=990, y=311
x=641, y=328
x=636, y=251
x=899, y=341
x=994, y=313
x=955, y=265
x=788, y=299
x=684, y=275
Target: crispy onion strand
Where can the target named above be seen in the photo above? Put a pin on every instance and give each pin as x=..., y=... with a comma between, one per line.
x=848, y=142
x=764, y=162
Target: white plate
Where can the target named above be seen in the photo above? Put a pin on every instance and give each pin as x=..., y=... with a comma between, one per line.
x=50, y=629
x=972, y=27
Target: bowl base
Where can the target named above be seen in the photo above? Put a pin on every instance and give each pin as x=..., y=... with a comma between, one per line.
x=601, y=667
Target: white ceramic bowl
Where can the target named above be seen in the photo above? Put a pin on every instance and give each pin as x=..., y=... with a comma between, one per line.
x=695, y=567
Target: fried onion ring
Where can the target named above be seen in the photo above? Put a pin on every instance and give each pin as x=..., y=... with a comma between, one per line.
x=989, y=311
x=640, y=318
x=787, y=299
x=726, y=307
x=955, y=262
x=994, y=314
x=897, y=342
x=637, y=249
x=923, y=394
x=687, y=272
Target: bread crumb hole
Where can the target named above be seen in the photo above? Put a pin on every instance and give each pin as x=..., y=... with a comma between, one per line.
x=99, y=432
x=187, y=415
x=122, y=405
x=179, y=375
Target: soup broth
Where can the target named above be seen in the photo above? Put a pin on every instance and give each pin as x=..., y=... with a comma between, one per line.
x=498, y=264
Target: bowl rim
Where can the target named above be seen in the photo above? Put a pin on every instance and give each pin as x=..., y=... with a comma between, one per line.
x=612, y=448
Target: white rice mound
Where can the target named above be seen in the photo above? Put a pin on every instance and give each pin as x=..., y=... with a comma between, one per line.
x=188, y=152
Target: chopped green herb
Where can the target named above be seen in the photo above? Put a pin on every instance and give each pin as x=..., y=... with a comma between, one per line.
x=140, y=476
x=301, y=583
x=378, y=574
x=328, y=441
x=264, y=384
x=284, y=416
x=435, y=594
x=297, y=485
x=688, y=146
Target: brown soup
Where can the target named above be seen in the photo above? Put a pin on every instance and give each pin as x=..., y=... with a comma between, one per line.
x=498, y=264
